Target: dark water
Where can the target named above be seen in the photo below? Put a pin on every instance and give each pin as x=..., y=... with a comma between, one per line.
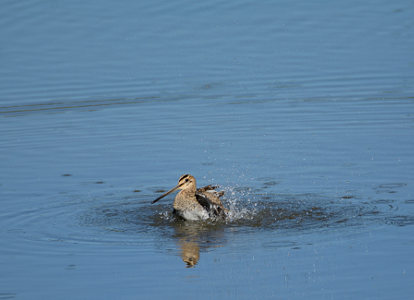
x=302, y=111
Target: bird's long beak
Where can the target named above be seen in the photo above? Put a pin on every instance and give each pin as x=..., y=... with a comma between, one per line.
x=167, y=193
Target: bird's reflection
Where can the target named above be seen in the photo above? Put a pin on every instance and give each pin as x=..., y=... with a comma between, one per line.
x=190, y=253
x=195, y=236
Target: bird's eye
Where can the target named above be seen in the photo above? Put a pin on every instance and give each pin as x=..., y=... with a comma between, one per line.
x=186, y=180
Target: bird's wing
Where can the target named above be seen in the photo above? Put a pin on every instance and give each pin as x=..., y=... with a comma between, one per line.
x=207, y=188
x=209, y=206
x=211, y=189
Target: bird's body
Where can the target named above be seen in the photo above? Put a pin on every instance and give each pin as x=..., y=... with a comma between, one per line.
x=196, y=204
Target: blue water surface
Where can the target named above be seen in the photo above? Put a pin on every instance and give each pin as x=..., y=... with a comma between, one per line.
x=302, y=112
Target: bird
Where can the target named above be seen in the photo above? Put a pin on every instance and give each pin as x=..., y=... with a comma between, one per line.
x=194, y=204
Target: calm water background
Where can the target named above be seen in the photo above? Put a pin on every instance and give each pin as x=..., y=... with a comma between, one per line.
x=302, y=111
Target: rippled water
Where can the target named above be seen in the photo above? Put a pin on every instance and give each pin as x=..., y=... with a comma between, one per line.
x=302, y=112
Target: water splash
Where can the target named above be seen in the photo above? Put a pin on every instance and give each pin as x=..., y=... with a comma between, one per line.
x=266, y=210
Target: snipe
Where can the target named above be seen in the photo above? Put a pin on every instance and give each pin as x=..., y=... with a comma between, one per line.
x=196, y=204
